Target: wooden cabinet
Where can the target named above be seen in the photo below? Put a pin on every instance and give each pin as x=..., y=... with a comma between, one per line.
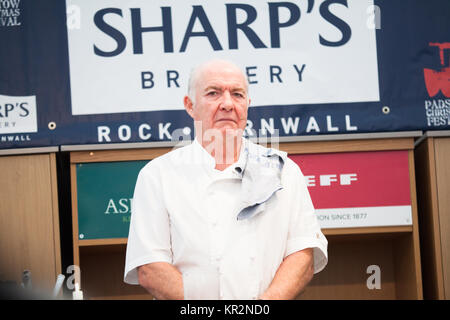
x=102, y=260
x=433, y=193
x=29, y=218
x=394, y=248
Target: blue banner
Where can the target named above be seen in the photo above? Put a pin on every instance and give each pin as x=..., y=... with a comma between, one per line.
x=73, y=72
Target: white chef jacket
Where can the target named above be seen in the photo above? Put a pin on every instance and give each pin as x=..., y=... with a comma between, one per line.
x=184, y=212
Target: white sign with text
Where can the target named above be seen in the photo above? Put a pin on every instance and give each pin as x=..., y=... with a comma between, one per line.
x=135, y=56
x=18, y=114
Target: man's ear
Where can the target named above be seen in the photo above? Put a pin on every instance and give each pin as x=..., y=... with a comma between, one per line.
x=188, y=105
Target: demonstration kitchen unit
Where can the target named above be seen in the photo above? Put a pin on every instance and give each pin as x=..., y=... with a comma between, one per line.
x=362, y=185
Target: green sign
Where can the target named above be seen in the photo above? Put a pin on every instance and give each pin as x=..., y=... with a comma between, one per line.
x=105, y=192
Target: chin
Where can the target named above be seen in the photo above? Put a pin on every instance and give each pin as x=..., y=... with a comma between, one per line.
x=230, y=128
x=223, y=125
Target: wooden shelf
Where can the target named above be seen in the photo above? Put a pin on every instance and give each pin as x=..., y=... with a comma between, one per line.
x=326, y=232
x=116, y=155
x=367, y=230
x=102, y=242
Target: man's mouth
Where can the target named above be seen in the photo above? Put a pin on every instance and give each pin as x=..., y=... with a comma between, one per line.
x=225, y=119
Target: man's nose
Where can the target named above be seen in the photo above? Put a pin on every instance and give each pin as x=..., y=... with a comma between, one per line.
x=227, y=102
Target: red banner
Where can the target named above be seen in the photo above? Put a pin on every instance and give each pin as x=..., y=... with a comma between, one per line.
x=373, y=185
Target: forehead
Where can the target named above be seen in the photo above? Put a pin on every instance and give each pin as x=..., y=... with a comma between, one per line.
x=221, y=76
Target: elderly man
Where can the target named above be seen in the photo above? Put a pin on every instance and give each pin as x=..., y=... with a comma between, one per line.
x=222, y=218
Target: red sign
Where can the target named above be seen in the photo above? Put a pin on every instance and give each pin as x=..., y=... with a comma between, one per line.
x=356, y=189
x=357, y=179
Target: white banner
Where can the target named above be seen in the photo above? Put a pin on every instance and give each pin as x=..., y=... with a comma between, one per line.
x=17, y=115
x=134, y=56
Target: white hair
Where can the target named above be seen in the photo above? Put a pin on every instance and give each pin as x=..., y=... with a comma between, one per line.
x=195, y=72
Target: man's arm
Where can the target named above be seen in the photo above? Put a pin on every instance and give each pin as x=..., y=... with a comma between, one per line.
x=292, y=276
x=162, y=280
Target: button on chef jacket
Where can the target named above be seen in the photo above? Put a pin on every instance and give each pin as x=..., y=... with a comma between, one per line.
x=184, y=212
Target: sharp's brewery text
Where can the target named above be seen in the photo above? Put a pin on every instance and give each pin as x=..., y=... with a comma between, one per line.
x=199, y=15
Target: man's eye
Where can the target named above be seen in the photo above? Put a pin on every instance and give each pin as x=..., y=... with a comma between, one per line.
x=239, y=95
x=212, y=93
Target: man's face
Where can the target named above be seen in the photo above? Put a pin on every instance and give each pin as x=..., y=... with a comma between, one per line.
x=221, y=100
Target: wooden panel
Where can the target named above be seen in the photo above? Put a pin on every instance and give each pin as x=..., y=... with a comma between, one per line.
x=406, y=269
x=345, y=276
x=366, y=230
x=55, y=213
x=428, y=215
x=442, y=153
x=117, y=155
x=102, y=274
x=29, y=237
x=102, y=242
x=347, y=146
x=73, y=186
x=290, y=147
x=415, y=280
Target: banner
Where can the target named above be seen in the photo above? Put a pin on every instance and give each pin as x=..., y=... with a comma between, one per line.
x=359, y=189
x=141, y=53
x=100, y=72
x=104, y=198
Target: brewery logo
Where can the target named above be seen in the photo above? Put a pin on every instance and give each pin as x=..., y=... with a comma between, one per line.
x=17, y=116
x=438, y=81
x=10, y=13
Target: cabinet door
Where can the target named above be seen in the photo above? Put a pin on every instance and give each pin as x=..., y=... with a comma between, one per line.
x=442, y=152
x=29, y=224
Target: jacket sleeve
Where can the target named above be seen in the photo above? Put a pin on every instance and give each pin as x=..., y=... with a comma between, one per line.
x=149, y=234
